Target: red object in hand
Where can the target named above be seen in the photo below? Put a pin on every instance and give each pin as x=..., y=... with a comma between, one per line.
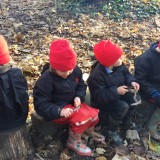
x=76, y=109
x=159, y=45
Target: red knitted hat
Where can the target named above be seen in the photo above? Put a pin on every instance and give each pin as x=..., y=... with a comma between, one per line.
x=4, y=51
x=62, y=57
x=107, y=53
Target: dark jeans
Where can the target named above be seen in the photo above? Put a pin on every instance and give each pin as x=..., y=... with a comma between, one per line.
x=119, y=108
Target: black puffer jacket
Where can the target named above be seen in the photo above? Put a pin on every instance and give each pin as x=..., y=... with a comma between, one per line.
x=13, y=98
x=52, y=92
x=147, y=71
x=103, y=85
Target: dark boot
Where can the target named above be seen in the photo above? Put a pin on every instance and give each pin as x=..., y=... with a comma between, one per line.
x=112, y=131
x=128, y=122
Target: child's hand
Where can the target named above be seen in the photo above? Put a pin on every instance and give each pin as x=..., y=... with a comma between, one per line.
x=66, y=112
x=77, y=101
x=135, y=85
x=122, y=90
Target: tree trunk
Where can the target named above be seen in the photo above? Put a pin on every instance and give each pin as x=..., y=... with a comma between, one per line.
x=15, y=144
x=58, y=132
x=153, y=125
x=144, y=112
x=47, y=128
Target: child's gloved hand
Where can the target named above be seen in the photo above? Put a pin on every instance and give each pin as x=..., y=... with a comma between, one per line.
x=66, y=112
x=135, y=85
x=122, y=90
x=77, y=101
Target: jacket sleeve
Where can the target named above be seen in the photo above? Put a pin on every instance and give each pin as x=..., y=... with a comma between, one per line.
x=20, y=89
x=44, y=106
x=81, y=88
x=102, y=93
x=129, y=78
x=142, y=70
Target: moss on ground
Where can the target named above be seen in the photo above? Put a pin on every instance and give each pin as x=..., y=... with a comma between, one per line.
x=115, y=9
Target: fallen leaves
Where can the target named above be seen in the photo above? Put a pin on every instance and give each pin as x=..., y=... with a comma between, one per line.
x=100, y=150
x=30, y=27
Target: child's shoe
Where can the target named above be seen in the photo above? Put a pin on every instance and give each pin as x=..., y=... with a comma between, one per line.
x=74, y=142
x=79, y=148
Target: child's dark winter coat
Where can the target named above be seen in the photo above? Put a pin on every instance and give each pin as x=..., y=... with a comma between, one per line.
x=147, y=72
x=13, y=98
x=13, y=92
x=52, y=92
x=103, y=85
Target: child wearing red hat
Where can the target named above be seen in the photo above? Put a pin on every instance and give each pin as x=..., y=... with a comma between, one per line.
x=59, y=96
x=109, y=84
x=147, y=73
x=13, y=92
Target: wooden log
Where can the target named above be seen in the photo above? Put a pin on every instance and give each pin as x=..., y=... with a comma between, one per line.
x=46, y=128
x=16, y=144
x=153, y=124
x=144, y=112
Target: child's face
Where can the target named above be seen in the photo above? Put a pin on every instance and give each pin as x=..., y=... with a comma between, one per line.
x=118, y=62
x=64, y=74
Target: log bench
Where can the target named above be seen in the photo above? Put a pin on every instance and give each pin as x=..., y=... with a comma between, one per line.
x=16, y=144
x=58, y=132
x=153, y=124
x=46, y=128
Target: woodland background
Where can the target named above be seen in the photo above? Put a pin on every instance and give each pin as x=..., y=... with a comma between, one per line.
x=30, y=26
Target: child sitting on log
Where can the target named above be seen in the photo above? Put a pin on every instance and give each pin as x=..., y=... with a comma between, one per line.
x=147, y=73
x=13, y=92
x=59, y=96
x=109, y=84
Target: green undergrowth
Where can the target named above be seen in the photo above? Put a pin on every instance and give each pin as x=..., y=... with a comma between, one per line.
x=114, y=9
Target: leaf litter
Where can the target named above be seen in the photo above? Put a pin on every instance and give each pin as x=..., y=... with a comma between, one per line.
x=30, y=26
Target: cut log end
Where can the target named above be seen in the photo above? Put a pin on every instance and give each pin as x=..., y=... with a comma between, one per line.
x=46, y=128
x=15, y=144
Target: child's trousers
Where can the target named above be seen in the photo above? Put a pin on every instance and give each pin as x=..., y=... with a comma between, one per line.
x=80, y=120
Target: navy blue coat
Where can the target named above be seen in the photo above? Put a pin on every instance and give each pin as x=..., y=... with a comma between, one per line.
x=147, y=71
x=52, y=92
x=13, y=98
x=103, y=85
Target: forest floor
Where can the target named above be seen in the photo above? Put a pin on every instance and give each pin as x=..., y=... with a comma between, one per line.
x=30, y=26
